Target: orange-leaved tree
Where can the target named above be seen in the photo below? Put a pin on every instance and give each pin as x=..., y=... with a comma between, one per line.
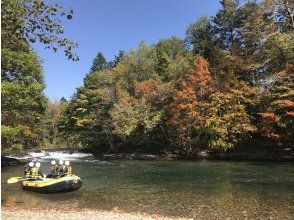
x=186, y=111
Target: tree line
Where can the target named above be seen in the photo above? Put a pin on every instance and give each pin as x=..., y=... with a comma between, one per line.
x=226, y=86
x=229, y=82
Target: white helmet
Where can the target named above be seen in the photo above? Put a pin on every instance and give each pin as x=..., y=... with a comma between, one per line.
x=31, y=164
x=66, y=163
x=38, y=164
x=53, y=162
x=60, y=162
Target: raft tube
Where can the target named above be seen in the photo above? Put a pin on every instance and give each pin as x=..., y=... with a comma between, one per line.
x=51, y=185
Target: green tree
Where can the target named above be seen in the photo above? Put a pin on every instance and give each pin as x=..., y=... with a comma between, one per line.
x=200, y=35
x=173, y=58
x=226, y=24
x=87, y=115
x=117, y=58
x=130, y=114
x=23, y=101
x=52, y=117
x=282, y=12
x=99, y=63
x=137, y=65
x=265, y=49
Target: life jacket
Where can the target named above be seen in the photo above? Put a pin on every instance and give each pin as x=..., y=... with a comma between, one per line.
x=54, y=169
x=68, y=170
x=61, y=169
x=27, y=171
x=34, y=173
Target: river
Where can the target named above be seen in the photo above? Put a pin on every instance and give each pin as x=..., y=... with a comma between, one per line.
x=199, y=189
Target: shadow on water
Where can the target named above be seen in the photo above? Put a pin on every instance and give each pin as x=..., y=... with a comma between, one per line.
x=202, y=189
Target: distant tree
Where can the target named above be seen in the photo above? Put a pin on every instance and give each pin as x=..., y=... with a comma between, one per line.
x=56, y=110
x=130, y=114
x=226, y=24
x=208, y=114
x=87, y=119
x=63, y=100
x=51, y=134
x=252, y=29
x=173, y=58
x=99, y=63
x=117, y=59
x=200, y=35
x=138, y=65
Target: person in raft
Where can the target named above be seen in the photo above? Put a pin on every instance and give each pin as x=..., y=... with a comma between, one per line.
x=36, y=172
x=68, y=168
x=61, y=168
x=54, y=170
x=28, y=169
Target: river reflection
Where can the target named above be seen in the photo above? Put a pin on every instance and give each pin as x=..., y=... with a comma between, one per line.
x=202, y=189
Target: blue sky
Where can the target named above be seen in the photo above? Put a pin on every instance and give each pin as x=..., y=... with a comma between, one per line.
x=112, y=25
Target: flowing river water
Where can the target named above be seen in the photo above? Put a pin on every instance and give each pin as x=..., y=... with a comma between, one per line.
x=199, y=189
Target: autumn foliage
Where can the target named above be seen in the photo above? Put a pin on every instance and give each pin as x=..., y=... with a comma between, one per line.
x=227, y=86
x=186, y=108
x=206, y=115
x=277, y=118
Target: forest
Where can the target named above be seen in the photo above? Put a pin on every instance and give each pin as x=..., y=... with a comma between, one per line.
x=227, y=86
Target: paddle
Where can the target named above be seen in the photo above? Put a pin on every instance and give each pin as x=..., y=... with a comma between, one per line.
x=15, y=179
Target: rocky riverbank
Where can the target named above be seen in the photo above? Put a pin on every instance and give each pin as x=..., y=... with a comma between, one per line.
x=29, y=213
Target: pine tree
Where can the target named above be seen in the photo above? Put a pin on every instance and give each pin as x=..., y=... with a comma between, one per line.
x=200, y=35
x=226, y=24
x=99, y=63
x=118, y=58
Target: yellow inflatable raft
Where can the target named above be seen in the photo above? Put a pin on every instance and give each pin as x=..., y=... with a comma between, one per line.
x=52, y=185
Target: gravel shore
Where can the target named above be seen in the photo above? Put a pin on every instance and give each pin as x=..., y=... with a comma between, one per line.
x=23, y=213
